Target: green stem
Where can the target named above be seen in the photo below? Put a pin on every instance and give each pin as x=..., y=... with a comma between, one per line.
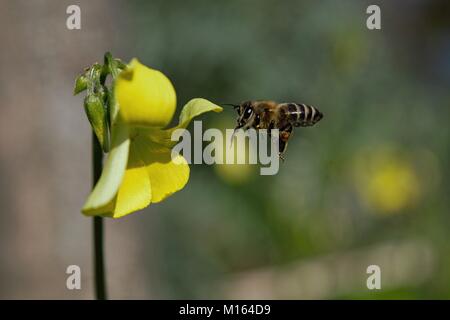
x=99, y=266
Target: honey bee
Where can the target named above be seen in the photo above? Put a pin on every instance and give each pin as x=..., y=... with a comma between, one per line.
x=272, y=115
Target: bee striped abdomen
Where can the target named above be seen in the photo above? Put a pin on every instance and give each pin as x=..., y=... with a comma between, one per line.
x=302, y=115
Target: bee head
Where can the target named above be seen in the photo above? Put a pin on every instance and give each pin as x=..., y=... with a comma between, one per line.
x=245, y=111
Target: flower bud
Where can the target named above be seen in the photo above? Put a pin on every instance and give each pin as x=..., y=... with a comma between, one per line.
x=80, y=84
x=97, y=115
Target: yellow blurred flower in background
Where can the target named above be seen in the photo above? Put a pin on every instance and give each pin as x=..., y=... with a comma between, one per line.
x=139, y=169
x=234, y=173
x=386, y=181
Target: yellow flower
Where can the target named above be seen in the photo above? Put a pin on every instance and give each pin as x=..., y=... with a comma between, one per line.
x=139, y=169
x=387, y=181
x=393, y=187
x=233, y=173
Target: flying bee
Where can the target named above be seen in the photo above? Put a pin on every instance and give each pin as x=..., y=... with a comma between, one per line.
x=272, y=115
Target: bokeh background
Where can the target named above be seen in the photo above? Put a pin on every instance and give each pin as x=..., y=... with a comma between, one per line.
x=367, y=185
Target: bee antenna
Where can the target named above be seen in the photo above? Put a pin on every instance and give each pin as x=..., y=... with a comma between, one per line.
x=230, y=104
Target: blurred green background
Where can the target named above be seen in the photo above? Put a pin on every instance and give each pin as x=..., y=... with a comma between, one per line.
x=367, y=185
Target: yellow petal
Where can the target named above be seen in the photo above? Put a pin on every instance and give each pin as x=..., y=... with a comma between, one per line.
x=145, y=96
x=167, y=176
x=192, y=109
x=135, y=191
x=101, y=199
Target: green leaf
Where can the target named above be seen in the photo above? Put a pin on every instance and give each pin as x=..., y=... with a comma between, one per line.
x=107, y=186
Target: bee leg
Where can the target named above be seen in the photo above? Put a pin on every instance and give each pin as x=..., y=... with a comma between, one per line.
x=285, y=134
x=282, y=149
x=270, y=127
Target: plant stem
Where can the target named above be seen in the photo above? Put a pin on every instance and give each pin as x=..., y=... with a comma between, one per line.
x=99, y=266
